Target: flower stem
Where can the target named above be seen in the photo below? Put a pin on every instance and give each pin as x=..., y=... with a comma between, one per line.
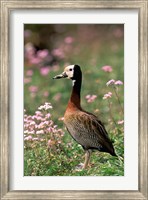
x=116, y=93
x=110, y=111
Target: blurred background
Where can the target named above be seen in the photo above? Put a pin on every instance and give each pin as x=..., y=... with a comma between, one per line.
x=99, y=50
x=49, y=48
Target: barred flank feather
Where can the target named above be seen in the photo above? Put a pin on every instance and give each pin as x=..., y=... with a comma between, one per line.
x=88, y=131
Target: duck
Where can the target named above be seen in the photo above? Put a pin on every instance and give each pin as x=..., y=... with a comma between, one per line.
x=84, y=127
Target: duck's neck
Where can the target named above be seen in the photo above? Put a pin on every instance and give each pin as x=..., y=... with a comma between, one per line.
x=75, y=99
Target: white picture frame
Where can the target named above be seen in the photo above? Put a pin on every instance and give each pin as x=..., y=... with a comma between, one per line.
x=141, y=192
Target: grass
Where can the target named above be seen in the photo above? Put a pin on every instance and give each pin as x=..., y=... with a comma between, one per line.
x=62, y=157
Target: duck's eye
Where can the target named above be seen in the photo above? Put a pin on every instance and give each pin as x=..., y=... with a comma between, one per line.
x=70, y=69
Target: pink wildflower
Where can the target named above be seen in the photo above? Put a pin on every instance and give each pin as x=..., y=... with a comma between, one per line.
x=42, y=125
x=107, y=68
x=68, y=40
x=50, y=129
x=46, y=106
x=41, y=139
x=42, y=53
x=27, y=80
x=90, y=98
x=32, y=123
x=55, y=67
x=33, y=95
x=29, y=72
x=50, y=143
x=26, y=132
x=29, y=50
x=40, y=132
x=46, y=122
x=35, y=139
x=28, y=137
x=44, y=71
x=48, y=115
x=118, y=82
x=31, y=132
x=61, y=119
x=120, y=122
x=107, y=96
x=33, y=88
x=57, y=97
x=31, y=126
x=58, y=53
x=111, y=82
x=46, y=93
x=38, y=113
x=35, y=60
x=37, y=117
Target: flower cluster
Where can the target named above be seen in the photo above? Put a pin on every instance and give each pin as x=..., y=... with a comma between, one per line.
x=46, y=106
x=40, y=128
x=69, y=40
x=58, y=52
x=118, y=82
x=33, y=88
x=28, y=76
x=113, y=82
x=120, y=122
x=63, y=49
x=90, y=98
x=35, y=57
x=107, y=68
x=107, y=95
x=44, y=71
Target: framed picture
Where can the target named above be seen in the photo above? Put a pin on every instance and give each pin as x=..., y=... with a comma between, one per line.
x=32, y=37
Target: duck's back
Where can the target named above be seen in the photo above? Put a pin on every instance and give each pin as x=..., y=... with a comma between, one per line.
x=88, y=131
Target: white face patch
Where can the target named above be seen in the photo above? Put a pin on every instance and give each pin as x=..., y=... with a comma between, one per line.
x=69, y=71
x=73, y=82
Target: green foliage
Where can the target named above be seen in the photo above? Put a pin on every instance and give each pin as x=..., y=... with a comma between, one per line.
x=40, y=161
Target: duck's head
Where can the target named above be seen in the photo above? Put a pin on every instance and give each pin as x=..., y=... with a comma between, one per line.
x=71, y=72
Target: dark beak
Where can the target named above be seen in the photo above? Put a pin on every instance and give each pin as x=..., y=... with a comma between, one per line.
x=63, y=75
